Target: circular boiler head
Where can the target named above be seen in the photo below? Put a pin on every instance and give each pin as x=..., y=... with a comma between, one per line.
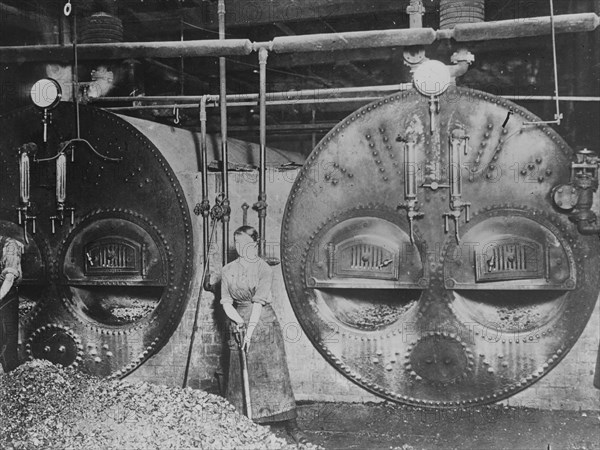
x=107, y=291
x=429, y=320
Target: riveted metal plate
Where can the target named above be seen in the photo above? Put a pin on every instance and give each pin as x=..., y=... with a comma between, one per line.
x=458, y=336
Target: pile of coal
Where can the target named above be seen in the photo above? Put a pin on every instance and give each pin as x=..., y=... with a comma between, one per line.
x=43, y=406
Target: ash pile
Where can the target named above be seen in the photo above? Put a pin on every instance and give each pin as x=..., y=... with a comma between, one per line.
x=43, y=406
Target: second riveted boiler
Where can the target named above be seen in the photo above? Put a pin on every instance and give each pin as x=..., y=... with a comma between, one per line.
x=435, y=250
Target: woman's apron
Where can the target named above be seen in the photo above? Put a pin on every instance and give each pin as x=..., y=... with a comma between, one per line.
x=271, y=395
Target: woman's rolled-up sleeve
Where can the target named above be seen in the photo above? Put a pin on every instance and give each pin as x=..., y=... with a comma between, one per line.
x=11, y=259
x=263, y=288
x=226, y=298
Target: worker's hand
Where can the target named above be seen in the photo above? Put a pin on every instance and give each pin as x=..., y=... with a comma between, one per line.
x=246, y=343
x=6, y=285
x=248, y=337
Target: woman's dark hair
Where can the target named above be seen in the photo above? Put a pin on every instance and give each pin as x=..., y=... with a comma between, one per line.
x=247, y=229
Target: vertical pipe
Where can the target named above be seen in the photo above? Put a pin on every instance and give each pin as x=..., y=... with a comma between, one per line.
x=558, y=115
x=205, y=202
x=314, y=135
x=263, y=54
x=415, y=12
x=224, y=150
x=181, y=64
x=75, y=79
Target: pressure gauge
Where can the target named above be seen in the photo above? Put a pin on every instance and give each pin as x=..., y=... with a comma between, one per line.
x=46, y=93
x=432, y=78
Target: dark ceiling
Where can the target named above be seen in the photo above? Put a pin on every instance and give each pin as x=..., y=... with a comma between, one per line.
x=515, y=66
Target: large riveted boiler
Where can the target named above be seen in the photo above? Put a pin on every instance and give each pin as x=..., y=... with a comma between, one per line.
x=427, y=253
x=109, y=257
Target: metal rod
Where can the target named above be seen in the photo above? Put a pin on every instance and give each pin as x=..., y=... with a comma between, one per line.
x=557, y=115
x=263, y=54
x=196, y=315
x=224, y=150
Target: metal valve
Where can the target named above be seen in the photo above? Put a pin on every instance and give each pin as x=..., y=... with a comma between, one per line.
x=221, y=210
x=412, y=214
x=202, y=208
x=578, y=196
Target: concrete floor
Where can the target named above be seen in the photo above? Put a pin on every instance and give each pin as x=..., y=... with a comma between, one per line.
x=391, y=426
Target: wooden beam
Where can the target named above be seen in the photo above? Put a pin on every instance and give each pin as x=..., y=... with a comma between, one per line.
x=39, y=24
x=243, y=13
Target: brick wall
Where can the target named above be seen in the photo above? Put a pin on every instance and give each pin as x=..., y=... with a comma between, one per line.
x=568, y=386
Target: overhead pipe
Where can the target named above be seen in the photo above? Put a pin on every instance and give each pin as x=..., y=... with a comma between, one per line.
x=352, y=40
x=503, y=29
x=288, y=96
x=365, y=99
x=127, y=50
x=261, y=204
x=224, y=151
x=525, y=27
x=174, y=106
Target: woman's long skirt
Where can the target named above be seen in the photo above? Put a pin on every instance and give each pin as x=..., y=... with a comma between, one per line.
x=9, y=330
x=271, y=395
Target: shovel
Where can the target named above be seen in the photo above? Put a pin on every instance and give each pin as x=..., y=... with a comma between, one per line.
x=240, y=334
